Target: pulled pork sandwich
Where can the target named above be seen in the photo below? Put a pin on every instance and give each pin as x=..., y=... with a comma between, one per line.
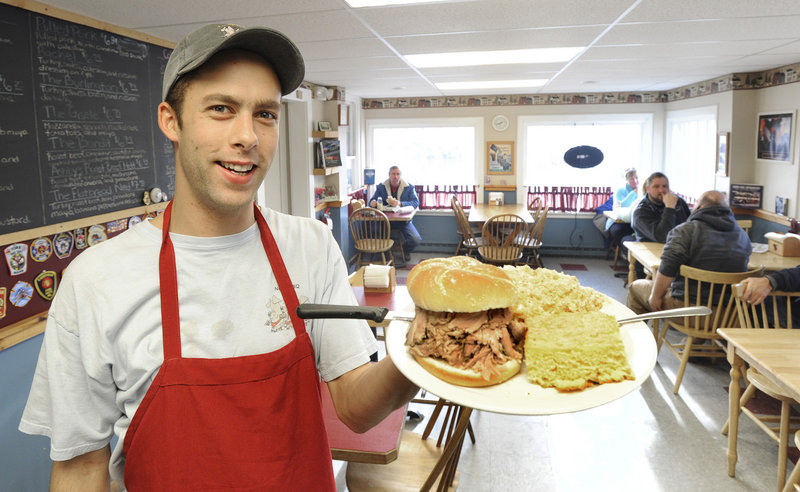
x=463, y=331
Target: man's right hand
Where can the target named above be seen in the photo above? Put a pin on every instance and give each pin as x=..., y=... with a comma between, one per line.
x=670, y=200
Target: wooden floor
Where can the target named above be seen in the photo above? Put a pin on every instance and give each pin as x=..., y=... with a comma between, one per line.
x=650, y=440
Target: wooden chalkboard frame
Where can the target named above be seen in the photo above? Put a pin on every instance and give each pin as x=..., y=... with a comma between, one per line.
x=41, y=8
x=34, y=325
x=85, y=140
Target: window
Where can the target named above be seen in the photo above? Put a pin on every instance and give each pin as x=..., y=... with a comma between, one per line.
x=690, y=150
x=441, y=151
x=624, y=139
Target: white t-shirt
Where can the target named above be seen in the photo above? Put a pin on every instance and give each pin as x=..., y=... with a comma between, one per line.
x=103, y=344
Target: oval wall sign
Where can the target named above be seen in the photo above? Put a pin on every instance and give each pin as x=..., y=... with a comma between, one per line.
x=583, y=156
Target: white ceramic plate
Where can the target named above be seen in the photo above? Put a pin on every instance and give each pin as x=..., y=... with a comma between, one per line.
x=518, y=396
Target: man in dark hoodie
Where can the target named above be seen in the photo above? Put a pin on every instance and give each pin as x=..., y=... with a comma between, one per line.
x=711, y=239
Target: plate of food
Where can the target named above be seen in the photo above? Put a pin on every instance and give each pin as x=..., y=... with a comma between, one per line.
x=507, y=388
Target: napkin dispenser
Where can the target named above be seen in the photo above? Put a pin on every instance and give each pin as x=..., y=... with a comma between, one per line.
x=784, y=244
x=496, y=197
x=379, y=278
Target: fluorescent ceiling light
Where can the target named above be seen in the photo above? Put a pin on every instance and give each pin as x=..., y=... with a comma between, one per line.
x=499, y=57
x=490, y=84
x=357, y=4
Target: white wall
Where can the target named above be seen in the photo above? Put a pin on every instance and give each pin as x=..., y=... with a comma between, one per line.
x=778, y=178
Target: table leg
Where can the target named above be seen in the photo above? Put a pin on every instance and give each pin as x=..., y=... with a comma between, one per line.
x=737, y=363
x=631, y=268
x=451, y=451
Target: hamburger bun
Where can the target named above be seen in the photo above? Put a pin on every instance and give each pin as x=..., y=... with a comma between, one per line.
x=467, y=377
x=459, y=284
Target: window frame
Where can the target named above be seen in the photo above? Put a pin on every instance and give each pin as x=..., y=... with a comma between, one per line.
x=477, y=123
x=525, y=122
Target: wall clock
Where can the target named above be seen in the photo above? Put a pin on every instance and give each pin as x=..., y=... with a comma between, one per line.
x=500, y=123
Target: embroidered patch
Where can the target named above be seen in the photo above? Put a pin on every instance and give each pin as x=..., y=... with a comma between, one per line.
x=62, y=244
x=97, y=234
x=80, y=238
x=21, y=294
x=17, y=258
x=41, y=249
x=3, y=302
x=116, y=226
x=134, y=220
x=46, y=283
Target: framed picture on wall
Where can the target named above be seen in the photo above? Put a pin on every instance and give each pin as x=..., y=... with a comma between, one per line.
x=500, y=158
x=746, y=195
x=723, y=152
x=774, y=139
x=344, y=115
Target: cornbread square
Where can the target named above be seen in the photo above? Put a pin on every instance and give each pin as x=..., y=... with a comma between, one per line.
x=571, y=351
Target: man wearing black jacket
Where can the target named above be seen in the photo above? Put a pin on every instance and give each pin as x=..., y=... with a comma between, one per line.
x=786, y=280
x=711, y=239
x=659, y=211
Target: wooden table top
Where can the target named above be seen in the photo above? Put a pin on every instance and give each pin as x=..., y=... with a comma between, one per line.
x=649, y=255
x=481, y=212
x=773, y=352
x=399, y=216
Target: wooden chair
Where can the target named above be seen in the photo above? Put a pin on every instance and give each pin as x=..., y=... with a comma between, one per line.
x=535, y=206
x=745, y=224
x=774, y=313
x=794, y=479
x=500, y=239
x=370, y=230
x=720, y=299
x=532, y=241
x=470, y=240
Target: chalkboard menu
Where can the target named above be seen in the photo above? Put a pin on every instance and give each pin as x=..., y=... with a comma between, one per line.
x=78, y=131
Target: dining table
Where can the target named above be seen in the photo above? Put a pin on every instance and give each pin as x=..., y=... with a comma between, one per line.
x=400, y=214
x=772, y=352
x=648, y=254
x=481, y=212
x=379, y=445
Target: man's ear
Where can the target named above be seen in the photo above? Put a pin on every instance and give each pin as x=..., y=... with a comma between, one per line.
x=168, y=121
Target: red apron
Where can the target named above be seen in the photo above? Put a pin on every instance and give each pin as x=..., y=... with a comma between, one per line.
x=241, y=423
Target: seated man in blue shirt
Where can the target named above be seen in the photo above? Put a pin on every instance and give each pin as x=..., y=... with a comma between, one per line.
x=624, y=199
x=395, y=192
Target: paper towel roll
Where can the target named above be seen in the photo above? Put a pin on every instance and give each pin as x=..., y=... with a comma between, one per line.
x=377, y=276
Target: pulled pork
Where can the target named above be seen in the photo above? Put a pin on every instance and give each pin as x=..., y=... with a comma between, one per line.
x=478, y=341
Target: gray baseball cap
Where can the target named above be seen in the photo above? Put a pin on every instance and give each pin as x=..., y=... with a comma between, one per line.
x=198, y=46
